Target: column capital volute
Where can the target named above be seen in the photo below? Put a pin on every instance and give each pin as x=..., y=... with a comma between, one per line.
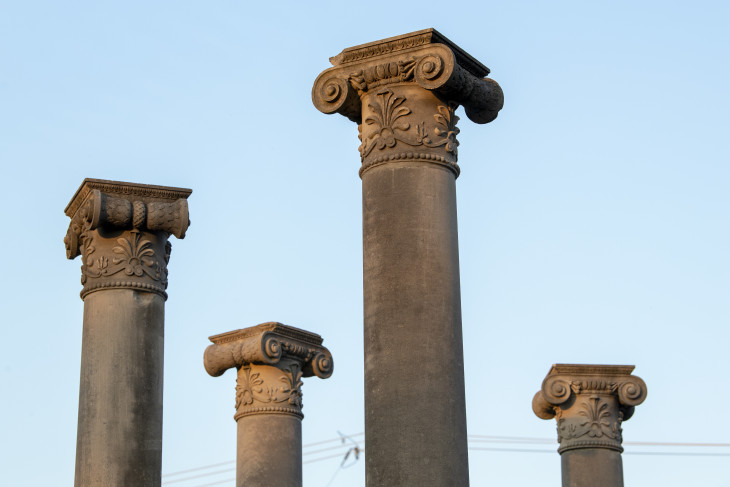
x=268, y=344
x=271, y=359
x=403, y=93
x=426, y=58
x=121, y=230
x=125, y=206
x=589, y=402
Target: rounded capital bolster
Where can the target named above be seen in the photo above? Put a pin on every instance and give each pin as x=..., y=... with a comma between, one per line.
x=482, y=99
x=541, y=407
x=108, y=210
x=270, y=343
x=170, y=217
x=220, y=357
x=485, y=101
x=321, y=366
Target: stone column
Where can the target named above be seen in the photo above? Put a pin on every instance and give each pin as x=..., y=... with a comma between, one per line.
x=590, y=402
x=271, y=359
x=403, y=93
x=121, y=231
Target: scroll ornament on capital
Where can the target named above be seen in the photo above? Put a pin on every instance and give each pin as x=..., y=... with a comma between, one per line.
x=123, y=243
x=403, y=92
x=269, y=389
x=271, y=360
x=388, y=119
x=589, y=409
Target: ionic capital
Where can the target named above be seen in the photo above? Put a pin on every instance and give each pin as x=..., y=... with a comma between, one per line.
x=121, y=230
x=402, y=92
x=271, y=359
x=589, y=402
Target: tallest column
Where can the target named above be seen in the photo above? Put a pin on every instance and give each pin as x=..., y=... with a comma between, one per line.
x=402, y=92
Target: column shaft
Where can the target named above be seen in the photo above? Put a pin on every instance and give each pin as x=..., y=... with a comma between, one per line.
x=592, y=467
x=415, y=419
x=120, y=398
x=269, y=451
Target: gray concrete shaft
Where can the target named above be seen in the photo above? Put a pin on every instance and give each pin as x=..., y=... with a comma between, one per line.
x=592, y=467
x=415, y=414
x=269, y=451
x=119, y=441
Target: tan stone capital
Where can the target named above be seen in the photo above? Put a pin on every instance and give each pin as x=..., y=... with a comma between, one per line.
x=121, y=230
x=403, y=91
x=271, y=359
x=589, y=402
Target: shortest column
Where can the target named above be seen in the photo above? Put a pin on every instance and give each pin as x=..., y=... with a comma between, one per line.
x=271, y=359
x=590, y=402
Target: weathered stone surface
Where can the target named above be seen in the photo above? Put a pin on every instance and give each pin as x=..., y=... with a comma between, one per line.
x=119, y=439
x=403, y=92
x=271, y=359
x=121, y=232
x=590, y=402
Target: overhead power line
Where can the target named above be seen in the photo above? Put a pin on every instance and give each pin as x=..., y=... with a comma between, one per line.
x=354, y=451
x=338, y=455
x=518, y=450
x=212, y=465
x=476, y=443
x=224, y=481
x=530, y=439
x=230, y=462
x=199, y=476
x=658, y=443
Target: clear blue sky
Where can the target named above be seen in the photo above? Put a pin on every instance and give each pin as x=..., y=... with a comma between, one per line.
x=593, y=214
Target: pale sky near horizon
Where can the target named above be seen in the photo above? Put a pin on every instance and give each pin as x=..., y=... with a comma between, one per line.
x=593, y=216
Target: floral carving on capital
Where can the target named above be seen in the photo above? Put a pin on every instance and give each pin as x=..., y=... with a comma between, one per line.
x=391, y=121
x=133, y=256
x=446, y=128
x=388, y=129
x=269, y=389
x=590, y=403
x=596, y=424
x=121, y=231
x=271, y=360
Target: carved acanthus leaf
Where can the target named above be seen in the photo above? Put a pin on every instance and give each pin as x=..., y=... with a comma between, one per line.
x=133, y=256
x=266, y=388
x=387, y=127
x=590, y=402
